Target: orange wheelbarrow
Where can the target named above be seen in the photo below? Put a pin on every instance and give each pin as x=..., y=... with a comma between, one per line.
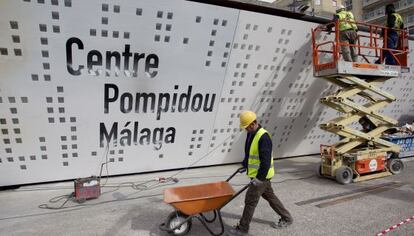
x=194, y=200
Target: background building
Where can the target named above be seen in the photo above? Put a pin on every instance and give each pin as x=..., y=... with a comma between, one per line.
x=370, y=11
x=355, y=7
x=323, y=8
x=373, y=11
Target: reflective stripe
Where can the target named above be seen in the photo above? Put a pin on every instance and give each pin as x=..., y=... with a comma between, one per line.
x=399, y=21
x=254, y=166
x=254, y=157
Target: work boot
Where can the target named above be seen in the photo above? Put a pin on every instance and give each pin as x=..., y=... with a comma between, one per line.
x=281, y=224
x=236, y=231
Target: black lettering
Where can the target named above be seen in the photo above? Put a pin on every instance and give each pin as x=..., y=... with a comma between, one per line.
x=160, y=132
x=107, y=97
x=145, y=97
x=109, y=61
x=69, y=56
x=91, y=61
x=187, y=102
x=196, y=105
x=161, y=107
x=126, y=137
x=174, y=101
x=127, y=54
x=126, y=107
x=170, y=137
x=149, y=65
x=137, y=57
x=104, y=136
x=213, y=98
x=136, y=133
x=117, y=57
x=145, y=136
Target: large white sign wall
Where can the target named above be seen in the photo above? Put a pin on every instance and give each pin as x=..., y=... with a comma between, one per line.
x=161, y=83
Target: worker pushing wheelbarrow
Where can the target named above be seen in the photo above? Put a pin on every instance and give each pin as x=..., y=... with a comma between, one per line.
x=194, y=200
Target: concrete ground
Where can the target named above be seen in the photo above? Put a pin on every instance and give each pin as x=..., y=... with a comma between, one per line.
x=319, y=206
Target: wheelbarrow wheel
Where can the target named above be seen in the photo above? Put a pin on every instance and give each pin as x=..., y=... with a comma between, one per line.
x=174, y=219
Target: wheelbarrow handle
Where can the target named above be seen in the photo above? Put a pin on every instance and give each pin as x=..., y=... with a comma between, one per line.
x=240, y=170
x=238, y=193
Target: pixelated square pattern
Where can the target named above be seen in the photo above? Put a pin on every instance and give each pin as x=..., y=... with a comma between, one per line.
x=153, y=85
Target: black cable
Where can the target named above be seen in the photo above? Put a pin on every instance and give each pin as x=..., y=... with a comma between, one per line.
x=171, y=178
x=58, y=199
x=137, y=186
x=106, y=166
x=154, y=186
x=72, y=195
x=129, y=184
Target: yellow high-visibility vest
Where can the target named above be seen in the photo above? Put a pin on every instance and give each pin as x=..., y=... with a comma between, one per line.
x=345, y=21
x=398, y=21
x=254, y=161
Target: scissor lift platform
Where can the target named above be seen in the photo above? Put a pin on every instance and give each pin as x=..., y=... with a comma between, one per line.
x=360, y=154
x=357, y=69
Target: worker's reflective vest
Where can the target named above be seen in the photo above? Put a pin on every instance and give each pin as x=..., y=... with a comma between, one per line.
x=398, y=21
x=345, y=19
x=254, y=161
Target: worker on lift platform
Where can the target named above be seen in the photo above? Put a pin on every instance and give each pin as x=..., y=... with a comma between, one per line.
x=347, y=32
x=395, y=24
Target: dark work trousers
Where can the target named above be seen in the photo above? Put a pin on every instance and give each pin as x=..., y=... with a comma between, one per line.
x=252, y=198
x=349, y=36
x=392, y=43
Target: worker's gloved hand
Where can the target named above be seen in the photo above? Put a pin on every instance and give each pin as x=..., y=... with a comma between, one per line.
x=257, y=182
x=242, y=169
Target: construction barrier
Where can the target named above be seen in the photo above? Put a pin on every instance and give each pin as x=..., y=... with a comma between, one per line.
x=406, y=143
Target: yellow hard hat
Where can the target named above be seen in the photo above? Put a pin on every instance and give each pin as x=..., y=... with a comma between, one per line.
x=246, y=118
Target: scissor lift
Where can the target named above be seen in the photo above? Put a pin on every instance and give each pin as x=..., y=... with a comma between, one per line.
x=359, y=155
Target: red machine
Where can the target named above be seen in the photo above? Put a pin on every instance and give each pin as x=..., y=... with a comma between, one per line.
x=90, y=187
x=87, y=188
x=370, y=165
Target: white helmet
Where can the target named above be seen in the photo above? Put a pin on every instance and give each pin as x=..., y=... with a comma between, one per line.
x=340, y=7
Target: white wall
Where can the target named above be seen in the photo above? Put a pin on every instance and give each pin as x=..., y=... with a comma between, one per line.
x=51, y=121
